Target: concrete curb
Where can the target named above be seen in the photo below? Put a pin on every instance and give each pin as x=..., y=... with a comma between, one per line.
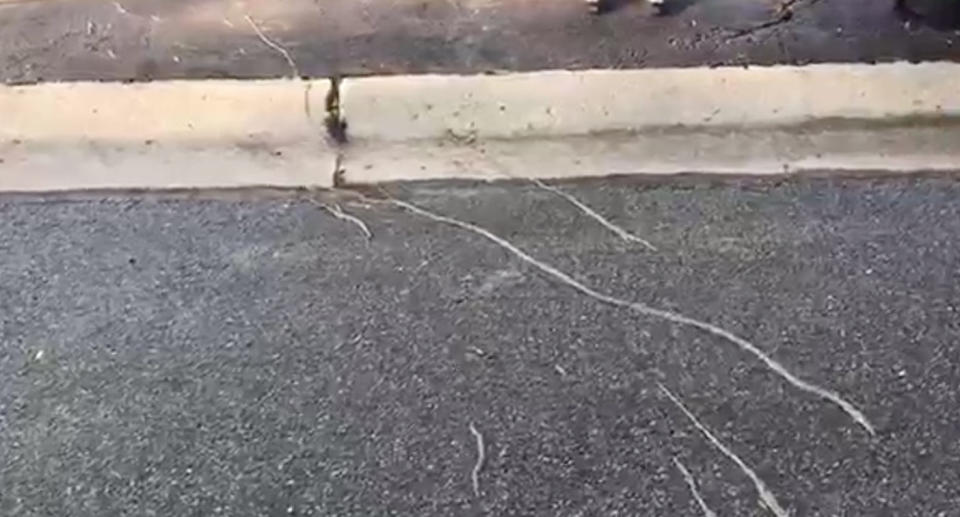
x=757, y=120
x=177, y=134
x=224, y=133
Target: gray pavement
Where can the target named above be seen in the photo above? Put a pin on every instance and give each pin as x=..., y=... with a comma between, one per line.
x=249, y=354
x=65, y=40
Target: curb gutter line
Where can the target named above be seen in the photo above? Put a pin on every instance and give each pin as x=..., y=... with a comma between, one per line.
x=231, y=133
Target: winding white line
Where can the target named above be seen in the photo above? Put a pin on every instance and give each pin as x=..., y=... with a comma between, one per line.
x=766, y=496
x=623, y=234
x=481, y=457
x=275, y=46
x=707, y=512
x=745, y=345
x=338, y=212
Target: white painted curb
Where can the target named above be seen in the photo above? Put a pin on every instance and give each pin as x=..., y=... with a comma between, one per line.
x=225, y=133
x=757, y=120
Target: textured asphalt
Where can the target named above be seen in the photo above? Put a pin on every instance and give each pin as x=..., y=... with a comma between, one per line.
x=141, y=40
x=249, y=354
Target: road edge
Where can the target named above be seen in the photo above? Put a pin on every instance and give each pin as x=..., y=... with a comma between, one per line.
x=165, y=135
x=735, y=120
x=551, y=124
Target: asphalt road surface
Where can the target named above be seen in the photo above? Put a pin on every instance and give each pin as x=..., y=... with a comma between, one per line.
x=250, y=354
x=57, y=40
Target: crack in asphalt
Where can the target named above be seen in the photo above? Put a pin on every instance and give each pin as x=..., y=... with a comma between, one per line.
x=852, y=411
x=623, y=234
x=784, y=15
x=766, y=496
x=694, y=491
x=275, y=46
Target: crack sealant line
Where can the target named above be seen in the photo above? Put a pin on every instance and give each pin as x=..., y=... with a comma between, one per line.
x=481, y=458
x=766, y=496
x=338, y=213
x=623, y=234
x=688, y=477
x=674, y=317
x=275, y=46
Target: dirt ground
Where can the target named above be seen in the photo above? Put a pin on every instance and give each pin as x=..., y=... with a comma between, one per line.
x=52, y=40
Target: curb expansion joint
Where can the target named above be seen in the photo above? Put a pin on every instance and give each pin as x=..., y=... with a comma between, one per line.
x=336, y=125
